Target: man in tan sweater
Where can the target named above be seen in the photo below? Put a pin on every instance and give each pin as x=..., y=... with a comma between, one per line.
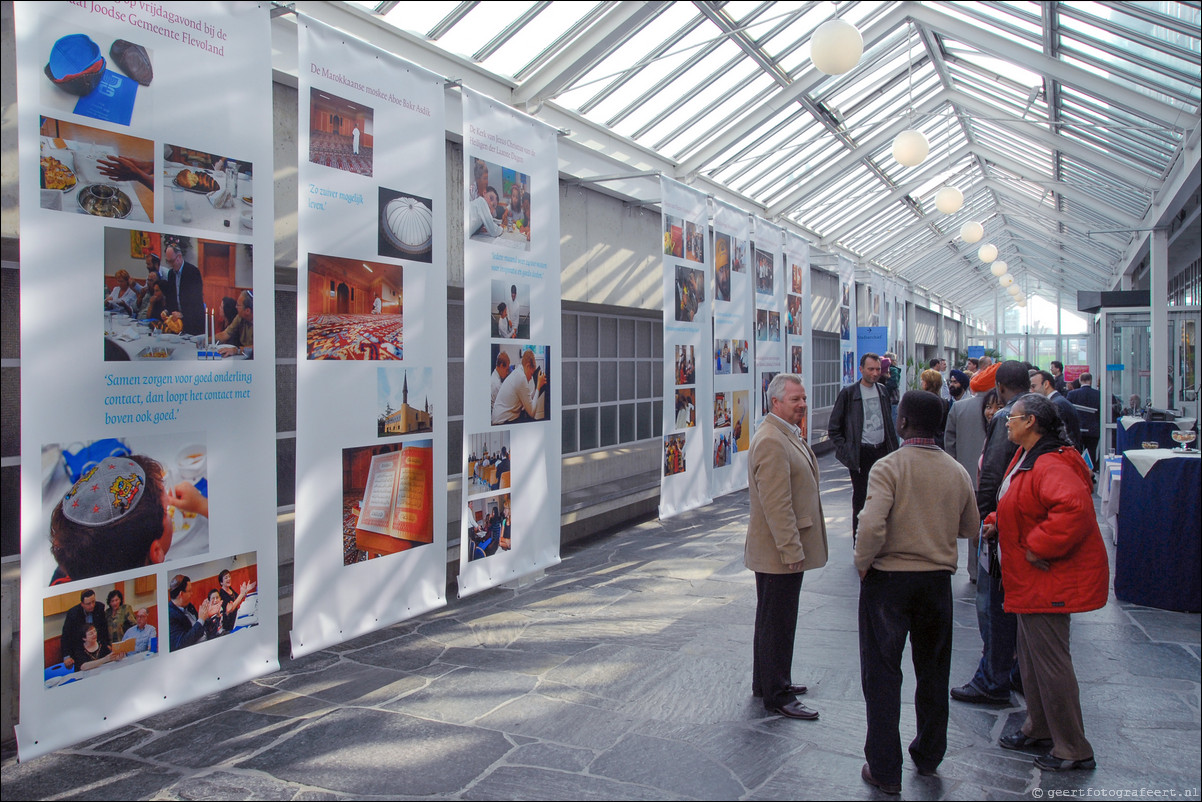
x=919, y=501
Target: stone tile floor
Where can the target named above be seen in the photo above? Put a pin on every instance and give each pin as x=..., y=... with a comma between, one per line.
x=624, y=674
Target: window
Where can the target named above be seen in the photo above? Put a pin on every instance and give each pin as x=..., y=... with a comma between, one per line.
x=611, y=369
x=824, y=387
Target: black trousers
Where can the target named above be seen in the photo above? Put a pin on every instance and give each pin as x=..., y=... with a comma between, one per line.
x=776, y=597
x=1090, y=442
x=892, y=605
x=859, y=483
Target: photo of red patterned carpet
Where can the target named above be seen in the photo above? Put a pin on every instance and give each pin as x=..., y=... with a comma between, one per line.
x=355, y=337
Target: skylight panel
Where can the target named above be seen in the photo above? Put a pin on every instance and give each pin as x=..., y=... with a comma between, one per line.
x=550, y=23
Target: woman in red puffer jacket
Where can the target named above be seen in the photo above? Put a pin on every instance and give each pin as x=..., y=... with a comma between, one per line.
x=1053, y=563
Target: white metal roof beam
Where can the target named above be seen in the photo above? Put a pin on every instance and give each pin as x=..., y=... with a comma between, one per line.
x=836, y=170
x=594, y=44
x=1051, y=68
x=772, y=106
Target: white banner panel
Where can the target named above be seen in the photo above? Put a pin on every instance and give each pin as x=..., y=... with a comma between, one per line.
x=770, y=310
x=144, y=132
x=688, y=341
x=847, y=321
x=511, y=441
x=734, y=332
x=798, y=318
x=372, y=341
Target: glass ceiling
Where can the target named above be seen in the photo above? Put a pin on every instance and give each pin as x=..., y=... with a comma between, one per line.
x=1059, y=121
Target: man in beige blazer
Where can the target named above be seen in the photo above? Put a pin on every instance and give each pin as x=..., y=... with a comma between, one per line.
x=786, y=536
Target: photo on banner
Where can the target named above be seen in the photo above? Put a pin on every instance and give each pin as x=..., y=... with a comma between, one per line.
x=208, y=190
x=191, y=300
x=118, y=503
x=510, y=310
x=211, y=600
x=91, y=171
x=91, y=72
x=97, y=630
x=356, y=309
x=397, y=416
x=499, y=206
x=387, y=499
x=341, y=133
x=406, y=226
x=524, y=394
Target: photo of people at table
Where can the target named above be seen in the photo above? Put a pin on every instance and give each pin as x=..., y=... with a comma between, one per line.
x=765, y=273
x=387, y=499
x=406, y=226
x=121, y=503
x=208, y=190
x=721, y=267
x=674, y=461
x=88, y=632
x=356, y=309
x=685, y=364
x=340, y=133
x=89, y=171
x=694, y=241
x=509, y=308
x=498, y=204
x=212, y=600
x=403, y=400
x=673, y=236
x=520, y=384
x=97, y=75
x=690, y=293
x=174, y=298
x=686, y=409
x=488, y=462
x=489, y=526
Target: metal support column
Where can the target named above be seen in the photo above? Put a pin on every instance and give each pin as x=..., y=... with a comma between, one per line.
x=1158, y=259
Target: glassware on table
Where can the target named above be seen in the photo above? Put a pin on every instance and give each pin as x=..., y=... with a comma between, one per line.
x=1184, y=438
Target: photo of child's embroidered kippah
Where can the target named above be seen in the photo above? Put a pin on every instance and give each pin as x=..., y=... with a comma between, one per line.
x=106, y=492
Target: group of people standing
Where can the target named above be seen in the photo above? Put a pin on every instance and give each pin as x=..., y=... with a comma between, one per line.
x=1025, y=496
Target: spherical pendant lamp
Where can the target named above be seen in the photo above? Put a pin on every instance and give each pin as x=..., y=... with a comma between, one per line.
x=999, y=268
x=1014, y=291
x=949, y=200
x=910, y=148
x=1006, y=280
x=987, y=253
x=836, y=47
x=971, y=232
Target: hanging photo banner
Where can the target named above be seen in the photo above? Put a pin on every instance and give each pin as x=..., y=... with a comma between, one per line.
x=371, y=376
x=734, y=331
x=847, y=321
x=510, y=511
x=799, y=314
x=152, y=506
x=689, y=413
x=769, y=310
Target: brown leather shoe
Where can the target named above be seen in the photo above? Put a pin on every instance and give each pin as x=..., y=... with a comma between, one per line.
x=795, y=710
x=888, y=788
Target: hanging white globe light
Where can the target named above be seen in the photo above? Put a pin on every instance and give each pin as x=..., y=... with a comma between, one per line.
x=1006, y=280
x=836, y=47
x=1014, y=291
x=949, y=200
x=972, y=231
x=910, y=148
x=999, y=268
x=987, y=253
